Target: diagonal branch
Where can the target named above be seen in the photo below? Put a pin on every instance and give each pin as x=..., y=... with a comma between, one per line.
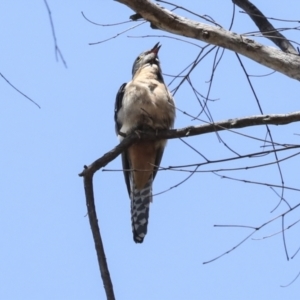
x=285, y=63
x=265, y=27
x=18, y=90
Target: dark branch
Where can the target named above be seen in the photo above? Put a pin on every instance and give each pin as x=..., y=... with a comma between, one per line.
x=265, y=27
x=279, y=119
x=19, y=90
x=56, y=48
x=90, y=203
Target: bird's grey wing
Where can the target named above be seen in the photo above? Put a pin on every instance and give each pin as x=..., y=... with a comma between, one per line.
x=159, y=154
x=118, y=106
x=126, y=166
x=118, y=125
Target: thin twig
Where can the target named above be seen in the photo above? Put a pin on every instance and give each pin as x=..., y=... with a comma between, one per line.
x=19, y=90
x=276, y=233
x=118, y=34
x=283, y=237
x=260, y=183
x=230, y=250
x=56, y=48
x=267, y=127
x=105, y=25
x=204, y=17
x=291, y=281
x=255, y=229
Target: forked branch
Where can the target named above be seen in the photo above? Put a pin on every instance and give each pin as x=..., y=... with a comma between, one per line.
x=285, y=63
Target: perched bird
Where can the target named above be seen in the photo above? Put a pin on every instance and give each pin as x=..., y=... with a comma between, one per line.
x=144, y=102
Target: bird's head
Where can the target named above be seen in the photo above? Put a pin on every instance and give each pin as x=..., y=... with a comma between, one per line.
x=147, y=57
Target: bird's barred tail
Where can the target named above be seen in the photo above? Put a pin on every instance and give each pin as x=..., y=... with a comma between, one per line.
x=140, y=202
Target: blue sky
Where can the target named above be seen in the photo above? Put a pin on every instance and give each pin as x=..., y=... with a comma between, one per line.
x=47, y=251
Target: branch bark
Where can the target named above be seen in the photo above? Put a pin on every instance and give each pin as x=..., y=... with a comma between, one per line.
x=285, y=63
x=256, y=120
x=265, y=27
x=90, y=203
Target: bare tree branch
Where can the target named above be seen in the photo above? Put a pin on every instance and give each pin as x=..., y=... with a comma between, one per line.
x=285, y=63
x=256, y=120
x=90, y=203
x=265, y=27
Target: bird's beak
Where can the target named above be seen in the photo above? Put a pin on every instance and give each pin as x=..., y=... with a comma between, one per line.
x=156, y=48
